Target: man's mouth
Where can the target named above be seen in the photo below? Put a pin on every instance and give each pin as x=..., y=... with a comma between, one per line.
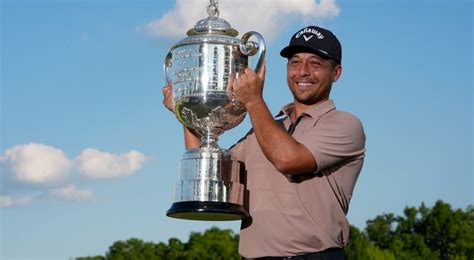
x=304, y=84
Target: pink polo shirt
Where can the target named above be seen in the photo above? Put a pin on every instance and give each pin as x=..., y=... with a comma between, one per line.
x=293, y=215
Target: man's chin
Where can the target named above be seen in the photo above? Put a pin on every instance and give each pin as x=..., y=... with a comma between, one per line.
x=309, y=101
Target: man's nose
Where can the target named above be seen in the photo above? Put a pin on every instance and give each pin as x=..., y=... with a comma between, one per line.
x=304, y=69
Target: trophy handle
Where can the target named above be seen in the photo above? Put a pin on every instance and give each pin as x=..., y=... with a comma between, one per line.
x=250, y=48
x=166, y=67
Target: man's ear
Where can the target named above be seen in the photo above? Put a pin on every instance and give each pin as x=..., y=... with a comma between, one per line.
x=337, y=73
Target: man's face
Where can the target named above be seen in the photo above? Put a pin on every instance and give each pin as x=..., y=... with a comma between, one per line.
x=310, y=77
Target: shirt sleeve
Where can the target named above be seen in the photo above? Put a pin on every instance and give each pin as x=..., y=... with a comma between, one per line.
x=238, y=149
x=336, y=138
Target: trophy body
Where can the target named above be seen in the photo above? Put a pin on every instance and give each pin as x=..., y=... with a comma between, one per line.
x=200, y=68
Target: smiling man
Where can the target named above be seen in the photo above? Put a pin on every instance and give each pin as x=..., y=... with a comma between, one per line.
x=301, y=168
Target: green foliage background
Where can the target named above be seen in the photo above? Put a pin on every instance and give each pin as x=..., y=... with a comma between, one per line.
x=421, y=233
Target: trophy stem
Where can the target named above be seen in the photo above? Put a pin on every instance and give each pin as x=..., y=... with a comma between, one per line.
x=209, y=141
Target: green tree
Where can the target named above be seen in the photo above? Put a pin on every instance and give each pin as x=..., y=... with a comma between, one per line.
x=98, y=257
x=421, y=233
x=133, y=249
x=213, y=244
x=448, y=233
x=380, y=230
x=175, y=250
x=424, y=233
x=360, y=248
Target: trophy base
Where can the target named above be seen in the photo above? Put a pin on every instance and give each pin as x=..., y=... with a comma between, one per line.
x=207, y=210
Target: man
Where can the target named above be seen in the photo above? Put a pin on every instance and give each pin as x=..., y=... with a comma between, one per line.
x=302, y=167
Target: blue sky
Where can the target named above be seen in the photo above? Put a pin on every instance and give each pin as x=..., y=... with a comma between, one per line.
x=89, y=155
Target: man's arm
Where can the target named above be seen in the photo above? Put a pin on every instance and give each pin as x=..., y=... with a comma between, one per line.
x=281, y=149
x=191, y=140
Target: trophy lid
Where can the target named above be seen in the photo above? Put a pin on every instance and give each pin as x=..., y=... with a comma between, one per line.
x=213, y=24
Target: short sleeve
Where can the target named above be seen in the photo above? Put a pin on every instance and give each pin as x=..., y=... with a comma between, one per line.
x=238, y=149
x=336, y=137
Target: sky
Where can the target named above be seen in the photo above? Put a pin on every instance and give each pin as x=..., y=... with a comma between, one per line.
x=89, y=155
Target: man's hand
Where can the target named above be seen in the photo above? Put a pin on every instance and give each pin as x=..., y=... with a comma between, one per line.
x=248, y=87
x=191, y=139
x=168, y=98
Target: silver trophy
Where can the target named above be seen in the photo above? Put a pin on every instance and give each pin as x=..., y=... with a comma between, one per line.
x=200, y=67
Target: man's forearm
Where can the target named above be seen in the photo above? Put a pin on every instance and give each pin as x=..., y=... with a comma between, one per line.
x=280, y=148
x=191, y=140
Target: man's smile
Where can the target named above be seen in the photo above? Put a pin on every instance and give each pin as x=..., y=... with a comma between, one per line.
x=305, y=84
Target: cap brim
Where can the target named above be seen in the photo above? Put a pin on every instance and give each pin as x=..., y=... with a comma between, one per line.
x=289, y=51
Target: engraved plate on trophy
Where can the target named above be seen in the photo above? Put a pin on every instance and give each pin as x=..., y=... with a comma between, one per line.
x=199, y=67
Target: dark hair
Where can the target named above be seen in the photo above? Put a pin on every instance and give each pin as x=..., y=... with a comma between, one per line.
x=334, y=63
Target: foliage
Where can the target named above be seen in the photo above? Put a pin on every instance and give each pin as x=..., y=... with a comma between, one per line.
x=424, y=233
x=360, y=248
x=421, y=233
x=214, y=243
x=91, y=258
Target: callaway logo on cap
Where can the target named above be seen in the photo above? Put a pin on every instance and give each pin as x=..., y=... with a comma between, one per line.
x=315, y=40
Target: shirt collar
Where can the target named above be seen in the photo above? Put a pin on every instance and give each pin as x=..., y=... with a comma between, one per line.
x=314, y=112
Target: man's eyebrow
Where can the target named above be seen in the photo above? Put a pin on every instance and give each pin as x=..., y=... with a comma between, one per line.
x=295, y=56
x=314, y=56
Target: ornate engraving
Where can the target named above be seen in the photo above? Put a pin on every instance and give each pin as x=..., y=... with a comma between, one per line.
x=212, y=120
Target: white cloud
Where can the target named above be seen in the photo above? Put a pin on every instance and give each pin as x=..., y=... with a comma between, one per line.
x=96, y=164
x=177, y=21
x=243, y=15
x=45, y=165
x=67, y=193
x=70, y=193
x=48, y=170
x=36, y=163
x=9, y=202
x=6, y=201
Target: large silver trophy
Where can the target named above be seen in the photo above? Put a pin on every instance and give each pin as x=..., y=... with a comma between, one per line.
x=200, y=67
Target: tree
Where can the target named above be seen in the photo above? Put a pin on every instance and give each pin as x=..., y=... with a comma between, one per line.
x=213, y=244
x=380, y=230
x=421, y=233
x=449, y=233
x=175, y=249
x=360, y=248
x=135, y=249
x=424, y=233
x=98, y=257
